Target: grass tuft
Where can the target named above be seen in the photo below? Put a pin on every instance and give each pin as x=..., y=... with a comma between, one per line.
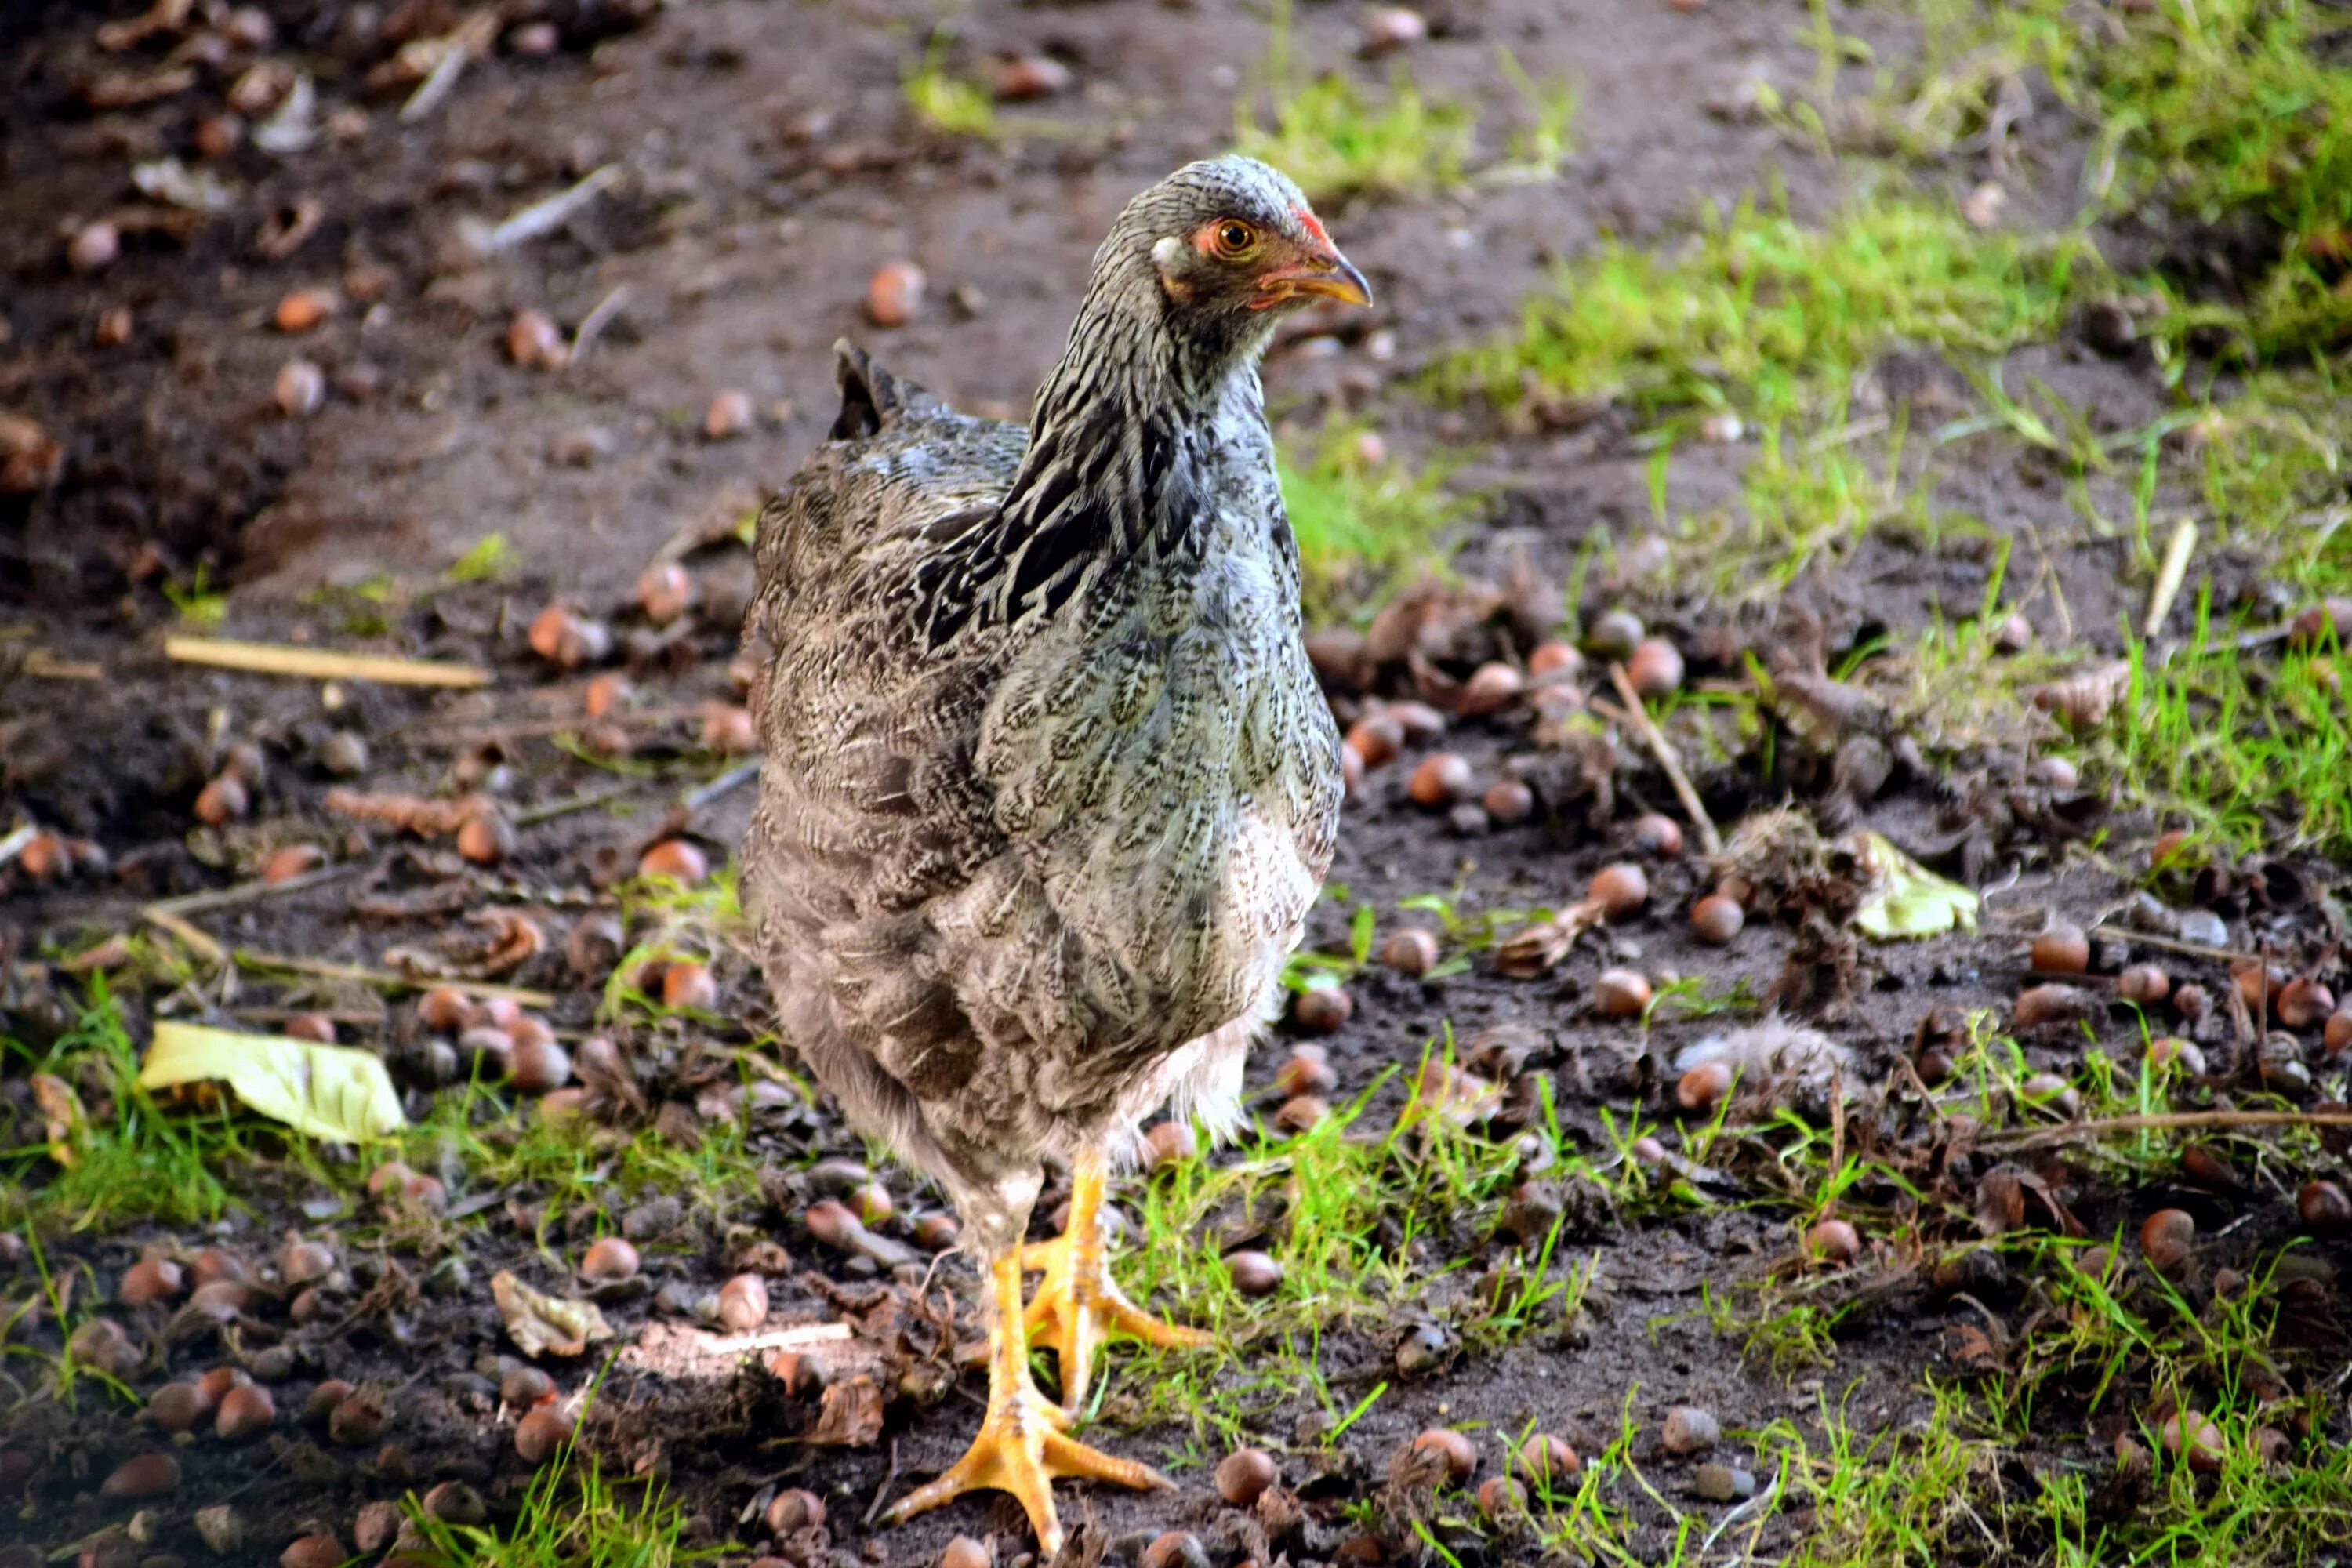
x=1364, y=521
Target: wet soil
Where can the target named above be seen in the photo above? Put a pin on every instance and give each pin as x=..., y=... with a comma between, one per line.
x=766, y=165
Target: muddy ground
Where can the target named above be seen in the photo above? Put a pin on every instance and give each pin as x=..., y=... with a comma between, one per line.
x=765, y=164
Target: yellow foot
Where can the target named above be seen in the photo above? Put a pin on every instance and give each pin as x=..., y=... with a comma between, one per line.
x=1077, y=1305
x=1021, y=1450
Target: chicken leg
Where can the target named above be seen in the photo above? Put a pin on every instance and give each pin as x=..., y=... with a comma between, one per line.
x=1077, y=1305
x=1021, y=1447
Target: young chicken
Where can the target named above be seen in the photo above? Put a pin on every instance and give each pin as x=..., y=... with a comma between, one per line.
x=1049, y=785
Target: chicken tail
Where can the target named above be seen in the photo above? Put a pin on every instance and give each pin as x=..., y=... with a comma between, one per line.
x=872, y=399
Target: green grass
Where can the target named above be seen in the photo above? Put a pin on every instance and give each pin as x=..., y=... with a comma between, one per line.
x=1759, y=314
x=942, y=101
x=2221, y=111
x=1362, y=1221
x=1338, y=138
x=1364, y=524
x=573, y=1516
x=2250, y=748
x=489, y=559
x=127, y=1158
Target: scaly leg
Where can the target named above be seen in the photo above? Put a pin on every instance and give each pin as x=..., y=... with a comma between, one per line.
x=1079, y=1305
x=1021, y=1447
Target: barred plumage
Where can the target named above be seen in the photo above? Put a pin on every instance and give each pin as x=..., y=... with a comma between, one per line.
x=1049, y=786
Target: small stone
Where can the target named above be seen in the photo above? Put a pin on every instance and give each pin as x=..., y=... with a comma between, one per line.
x=1243, y=1475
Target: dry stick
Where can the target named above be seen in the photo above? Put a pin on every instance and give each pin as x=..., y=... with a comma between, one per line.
x=247, y=892
x=41, y=665
x=566, y=806
x=384, y=979
x=203, y=945
x=543, y=217
x=318, y=664
x=1662, y=749
x=526, y=729
x=2165, y=1121
x=2173, y=944
x=594, y=322
x=733, y=778
x=2168, y=578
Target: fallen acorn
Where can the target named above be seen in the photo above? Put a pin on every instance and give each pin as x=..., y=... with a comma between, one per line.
x=1509, y=802
x=1174, y=1549
x=1689, y=1429
x=1243, y=1475
x=320, y=1550
x=541, y=1432
x=246, y=1411
x=1378, y=738
x=794, y=1509
x=525, y=1387
x=150, y=1281
x=1615, y=634
x=2305, y=1004
x=1440, y=779
x=1302, y=1073
x=2192, y=1436
x=1619, y=890
x=1547, y=1459
x=1621, y=993
x=535, y=341
x=1253, y=1273
x=486, y=839
x=1411, y=951
x=568, y=639
x=148, y=1475
x=537, y=1067
x=1501, y=1497
x=2166, y=1237
x=455, y=1502
x=178, y=1406
x=1834, y=1242
x=1717, y=919
x=2063, y=949
x=963, y=1552
x=1322, y=1009
x=2143, y=984
x=359, y=1420
x=1654, y=669
x=743, y=1303
x=730, y=415
x=1491, y=687
x=1170, y=1142
x=2324, y=1206
x=608, y=1260
x=676, y=859
x=1459, y=1455
x=1656, y=833
x=320, y=1405
x=689, y=985
x=223, y=801
x=894, y=294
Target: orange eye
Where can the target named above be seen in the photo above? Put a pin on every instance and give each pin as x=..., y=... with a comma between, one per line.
x=1235, y=238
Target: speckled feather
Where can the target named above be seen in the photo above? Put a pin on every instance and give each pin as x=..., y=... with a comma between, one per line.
x=1048, y=786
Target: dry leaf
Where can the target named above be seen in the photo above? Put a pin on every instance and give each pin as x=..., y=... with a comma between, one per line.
x=62, y=1109
x=335, y=1092
x=539, y=1323
x=850, y=1417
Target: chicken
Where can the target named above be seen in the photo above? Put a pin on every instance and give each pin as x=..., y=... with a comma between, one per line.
x=1049, y=785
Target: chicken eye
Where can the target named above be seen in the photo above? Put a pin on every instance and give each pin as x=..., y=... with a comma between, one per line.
x=1235, y=238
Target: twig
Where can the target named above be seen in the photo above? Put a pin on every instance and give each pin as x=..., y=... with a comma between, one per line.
x=2173, y=944
x=384, y=979
x=565, y=807
x=540, y=218
x=321, y=664
x=2162, y=1121
x=2169, y=577
x=1663, y=751
x=726, y=782
x=781, y=1339
x=471, y=37
x=594, y=322
x=41, y=665
x=247, y=892
x=205, y=947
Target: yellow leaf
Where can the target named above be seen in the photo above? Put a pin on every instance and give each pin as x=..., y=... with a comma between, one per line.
x=1909, y=901
x=328, y=1091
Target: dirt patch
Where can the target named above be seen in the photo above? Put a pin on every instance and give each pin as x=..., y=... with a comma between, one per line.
x=764, y=164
